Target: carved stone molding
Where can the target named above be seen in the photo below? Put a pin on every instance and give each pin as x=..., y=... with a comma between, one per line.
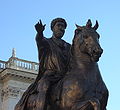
x=17, y=74
x=10, y=92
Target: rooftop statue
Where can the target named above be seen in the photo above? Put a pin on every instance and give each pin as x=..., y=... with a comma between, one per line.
x=69, y=76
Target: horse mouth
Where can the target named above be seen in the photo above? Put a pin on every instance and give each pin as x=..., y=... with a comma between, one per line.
x=95, y=57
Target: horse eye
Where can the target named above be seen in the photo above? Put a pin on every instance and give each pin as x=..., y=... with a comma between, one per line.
x=85, y=37
x=77, y=31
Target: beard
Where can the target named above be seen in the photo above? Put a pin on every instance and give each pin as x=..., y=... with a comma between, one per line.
x=59, y=34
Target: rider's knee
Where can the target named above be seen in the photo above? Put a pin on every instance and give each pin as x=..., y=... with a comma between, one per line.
x=42, y=85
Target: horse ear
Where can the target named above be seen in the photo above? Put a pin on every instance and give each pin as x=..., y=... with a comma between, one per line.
x=89, y=23
x=96, y=25
x=77, y=26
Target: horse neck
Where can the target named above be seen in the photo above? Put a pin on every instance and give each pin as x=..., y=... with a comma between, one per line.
x=82, y=61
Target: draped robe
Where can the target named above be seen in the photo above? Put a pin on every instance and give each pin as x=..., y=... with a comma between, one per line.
x=54, y=56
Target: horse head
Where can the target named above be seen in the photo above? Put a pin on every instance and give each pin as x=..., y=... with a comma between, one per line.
x=86, y=42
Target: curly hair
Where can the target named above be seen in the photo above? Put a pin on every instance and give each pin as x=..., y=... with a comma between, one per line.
x=54, y=21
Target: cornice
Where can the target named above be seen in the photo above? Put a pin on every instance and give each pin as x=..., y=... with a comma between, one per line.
x=18, y=74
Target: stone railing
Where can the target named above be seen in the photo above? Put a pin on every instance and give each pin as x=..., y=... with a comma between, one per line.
x=19, y=64
x=2, y=64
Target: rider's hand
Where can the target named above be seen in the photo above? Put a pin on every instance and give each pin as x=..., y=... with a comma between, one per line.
x=40, y=27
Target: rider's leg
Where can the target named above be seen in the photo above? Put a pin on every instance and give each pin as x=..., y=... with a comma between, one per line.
x=42, y=88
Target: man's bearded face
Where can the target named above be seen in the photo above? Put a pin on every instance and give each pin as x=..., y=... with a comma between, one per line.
x=59, y=30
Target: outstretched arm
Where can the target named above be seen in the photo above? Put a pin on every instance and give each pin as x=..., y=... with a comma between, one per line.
x=40, y=39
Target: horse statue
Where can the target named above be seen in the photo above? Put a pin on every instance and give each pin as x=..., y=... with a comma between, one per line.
x=82, y=88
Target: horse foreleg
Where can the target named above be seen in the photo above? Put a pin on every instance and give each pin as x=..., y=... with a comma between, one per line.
x=94, y=103
x=81, y=105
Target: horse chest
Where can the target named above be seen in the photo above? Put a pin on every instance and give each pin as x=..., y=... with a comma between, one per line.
x=84, y=80
x=85, y=75
x=78, y=85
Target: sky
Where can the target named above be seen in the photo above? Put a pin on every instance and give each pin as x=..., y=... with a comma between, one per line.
x=18, y=17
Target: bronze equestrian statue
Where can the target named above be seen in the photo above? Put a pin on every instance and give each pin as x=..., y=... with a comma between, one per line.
x=82, y=87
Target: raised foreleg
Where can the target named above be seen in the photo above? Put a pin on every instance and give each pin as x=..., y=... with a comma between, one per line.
x=92, y=104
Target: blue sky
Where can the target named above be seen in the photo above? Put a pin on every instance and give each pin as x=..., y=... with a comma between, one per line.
x=18, y=17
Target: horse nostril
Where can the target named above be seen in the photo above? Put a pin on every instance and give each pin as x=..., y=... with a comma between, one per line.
x=101, y=51
x=94, y=51
x=97, y=51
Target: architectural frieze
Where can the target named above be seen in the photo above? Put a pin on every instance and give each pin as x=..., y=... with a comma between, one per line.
x=10, y=92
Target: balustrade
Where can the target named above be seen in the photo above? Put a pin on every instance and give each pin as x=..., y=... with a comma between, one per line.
x=2, y=64
x=17, y=63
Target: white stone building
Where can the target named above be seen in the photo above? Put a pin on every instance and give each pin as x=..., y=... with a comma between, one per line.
x=15, y=76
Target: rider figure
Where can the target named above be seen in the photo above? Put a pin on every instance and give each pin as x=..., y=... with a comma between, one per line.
x=53, y=64
x=53, y=58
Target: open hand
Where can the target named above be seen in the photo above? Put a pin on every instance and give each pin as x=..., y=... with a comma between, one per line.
x=40, y=27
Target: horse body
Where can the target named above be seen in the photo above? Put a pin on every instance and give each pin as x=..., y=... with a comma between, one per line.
x=83, y=87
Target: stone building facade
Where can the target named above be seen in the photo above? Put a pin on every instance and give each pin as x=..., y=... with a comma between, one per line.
x=15, y=76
